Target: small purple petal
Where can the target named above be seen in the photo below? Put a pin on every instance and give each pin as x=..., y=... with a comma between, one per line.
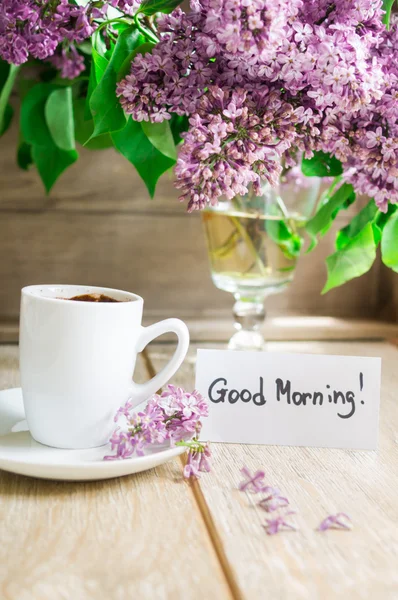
x=252, y=483
x=273, y=526
x=338, y=521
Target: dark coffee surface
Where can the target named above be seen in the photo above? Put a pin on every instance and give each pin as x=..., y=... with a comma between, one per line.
x=93, y=298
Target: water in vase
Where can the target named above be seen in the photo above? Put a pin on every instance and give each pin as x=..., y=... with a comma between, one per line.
x=246, y=252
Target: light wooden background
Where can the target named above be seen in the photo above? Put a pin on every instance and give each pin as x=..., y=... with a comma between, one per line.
x=99, y=227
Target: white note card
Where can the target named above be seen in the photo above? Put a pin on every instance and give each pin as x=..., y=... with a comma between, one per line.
x=290, y=399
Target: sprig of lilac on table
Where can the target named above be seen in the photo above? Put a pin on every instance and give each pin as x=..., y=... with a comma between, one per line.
x=174, y=416
x=338, y=521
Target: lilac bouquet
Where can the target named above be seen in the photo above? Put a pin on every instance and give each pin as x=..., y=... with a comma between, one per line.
x=234, y=93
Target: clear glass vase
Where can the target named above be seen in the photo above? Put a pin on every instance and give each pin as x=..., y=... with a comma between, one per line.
x=253, y=245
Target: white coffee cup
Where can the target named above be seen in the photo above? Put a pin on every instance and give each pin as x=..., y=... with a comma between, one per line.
x=77, y=360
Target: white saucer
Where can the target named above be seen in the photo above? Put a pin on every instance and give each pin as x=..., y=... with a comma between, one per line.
x=20, y=453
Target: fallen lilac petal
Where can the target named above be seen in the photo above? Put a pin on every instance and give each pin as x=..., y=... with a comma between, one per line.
x=273, y=526
x=272, y=503
x=252, y=483
x=271, y=491
x=338, y=521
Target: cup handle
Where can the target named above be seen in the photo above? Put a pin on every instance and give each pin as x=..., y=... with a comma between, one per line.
x=142, y=391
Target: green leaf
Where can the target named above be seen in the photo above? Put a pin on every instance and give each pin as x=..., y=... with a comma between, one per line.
x=389, y=243
x=366, y=215
x=98, y=43
x=51, y=161
x=143, y=48
x=100, y=65
x=353, y=260
x=33, y=122
x=382, y=218
x=24, y=155
x=377, y=233
x=59, y=118
x=105, y=106
x=288, y=240
x=387, y=6
x=178, y=124
x=321, y=165
x=97, y=69
x=150, y=7
x=159, y=134
x=328, y=211
x=84, y=129
x=8, y=75
x=135, y=146
x=7, y=118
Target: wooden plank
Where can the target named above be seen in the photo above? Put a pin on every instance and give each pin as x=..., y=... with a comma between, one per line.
x=100, y=181
x=161, y=257
x=292, y=328
x=140, y=536
x=308, y=565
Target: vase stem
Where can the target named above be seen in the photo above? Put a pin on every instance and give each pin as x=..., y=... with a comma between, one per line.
x=249, y=315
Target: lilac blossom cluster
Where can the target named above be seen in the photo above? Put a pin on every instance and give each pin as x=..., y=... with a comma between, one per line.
x=173, y=417
x=128, y=7
x=51, y=29
x=47, y=30
x=263, y=81
x=273, y=501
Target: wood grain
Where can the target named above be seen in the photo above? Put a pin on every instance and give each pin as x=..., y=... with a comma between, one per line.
x=100, y=181
x=139, y=536
x=161, y=257
x=291, y=328
x=308, y=565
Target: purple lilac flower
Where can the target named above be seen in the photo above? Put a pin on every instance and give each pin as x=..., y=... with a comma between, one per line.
x=37, y=27
x=327, y=71
x=68, y=61
x=252, y=483
x=273, y=526
x=339, y=521
x=273, y=500
x=129, y=7
x=236, y=139
x=124, y=411
x=184, y=411
x=174, y=416
x=198, y=460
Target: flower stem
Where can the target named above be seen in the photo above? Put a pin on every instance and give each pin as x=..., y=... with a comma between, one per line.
x=147, y=33
x=110, y=21
x=6, y=92
x=246, y=237
x=193, y=444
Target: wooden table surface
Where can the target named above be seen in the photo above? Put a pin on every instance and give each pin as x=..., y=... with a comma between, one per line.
x=155, y=536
